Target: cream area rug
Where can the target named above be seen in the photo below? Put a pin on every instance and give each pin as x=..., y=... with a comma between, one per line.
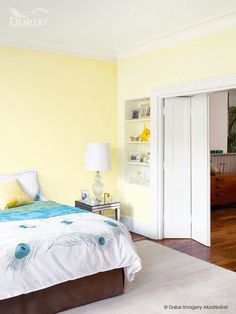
x=170, y=282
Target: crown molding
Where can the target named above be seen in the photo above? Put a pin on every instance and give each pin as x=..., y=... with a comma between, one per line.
x=86, y=54
x=205, y=27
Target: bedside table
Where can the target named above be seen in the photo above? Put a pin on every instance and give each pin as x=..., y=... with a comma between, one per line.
x=99, y=208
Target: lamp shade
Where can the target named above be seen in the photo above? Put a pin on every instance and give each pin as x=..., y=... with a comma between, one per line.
x=97, y=157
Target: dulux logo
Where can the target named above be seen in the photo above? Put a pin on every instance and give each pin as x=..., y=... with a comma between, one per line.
x=35, y=18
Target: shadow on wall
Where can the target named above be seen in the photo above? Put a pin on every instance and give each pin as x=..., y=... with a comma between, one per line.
x=127, y=210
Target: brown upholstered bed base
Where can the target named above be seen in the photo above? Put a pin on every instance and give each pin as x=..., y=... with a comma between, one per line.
x=67, y=295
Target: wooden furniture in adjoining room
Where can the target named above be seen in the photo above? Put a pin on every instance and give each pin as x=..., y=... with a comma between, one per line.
x=223, y=189
x=67, y=295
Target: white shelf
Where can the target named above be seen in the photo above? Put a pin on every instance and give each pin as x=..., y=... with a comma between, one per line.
x=139, y=184
x=138, y=120
x=134, y=163
x=137, y=142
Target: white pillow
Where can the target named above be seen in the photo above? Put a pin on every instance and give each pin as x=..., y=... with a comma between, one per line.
x=29, y=180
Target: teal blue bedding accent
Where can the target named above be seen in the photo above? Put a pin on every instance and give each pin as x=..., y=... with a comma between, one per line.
x=38, y=210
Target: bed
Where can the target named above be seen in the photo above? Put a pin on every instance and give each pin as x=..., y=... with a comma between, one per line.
x=54, y=257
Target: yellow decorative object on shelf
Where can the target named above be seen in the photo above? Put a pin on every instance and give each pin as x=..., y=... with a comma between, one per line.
x=144, y=136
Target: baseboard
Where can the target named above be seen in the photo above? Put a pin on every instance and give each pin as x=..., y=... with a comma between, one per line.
x=138, y=227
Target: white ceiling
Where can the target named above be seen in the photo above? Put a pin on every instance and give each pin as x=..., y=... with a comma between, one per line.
x=101, y=28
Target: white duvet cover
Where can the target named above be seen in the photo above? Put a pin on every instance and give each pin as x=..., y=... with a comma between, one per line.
x=40, y=252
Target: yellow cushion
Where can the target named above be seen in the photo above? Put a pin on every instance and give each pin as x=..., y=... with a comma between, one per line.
x=12, y=194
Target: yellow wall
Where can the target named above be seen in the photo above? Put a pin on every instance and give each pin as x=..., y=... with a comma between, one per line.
x=51, y=105
x=210, y=56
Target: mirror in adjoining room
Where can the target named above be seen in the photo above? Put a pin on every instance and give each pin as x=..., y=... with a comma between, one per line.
x=222, y=117
x=232, y=121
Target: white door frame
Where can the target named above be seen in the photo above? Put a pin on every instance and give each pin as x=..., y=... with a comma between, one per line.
x=156, y=179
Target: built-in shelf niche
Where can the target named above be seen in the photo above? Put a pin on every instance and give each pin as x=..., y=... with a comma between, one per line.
x=136, y=172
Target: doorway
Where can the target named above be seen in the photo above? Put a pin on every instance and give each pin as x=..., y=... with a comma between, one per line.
x=223, y=169
x=159, y=96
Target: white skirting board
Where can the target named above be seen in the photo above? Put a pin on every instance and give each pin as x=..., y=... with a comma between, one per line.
x=138, y=226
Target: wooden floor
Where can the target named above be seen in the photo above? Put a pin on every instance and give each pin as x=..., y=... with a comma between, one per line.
x=223, y=240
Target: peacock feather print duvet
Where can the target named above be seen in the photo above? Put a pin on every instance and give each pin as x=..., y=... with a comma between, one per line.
x=46, y=243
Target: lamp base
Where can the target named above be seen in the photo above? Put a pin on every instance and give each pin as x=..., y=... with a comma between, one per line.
x=98, y=187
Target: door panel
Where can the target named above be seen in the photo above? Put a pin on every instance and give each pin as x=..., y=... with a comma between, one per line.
x=177, y=179
x=200, y=169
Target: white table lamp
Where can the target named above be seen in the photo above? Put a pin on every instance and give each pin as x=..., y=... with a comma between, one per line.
x=97, y=158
